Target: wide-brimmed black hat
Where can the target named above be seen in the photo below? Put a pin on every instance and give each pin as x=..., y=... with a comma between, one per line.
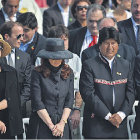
x=55, y=50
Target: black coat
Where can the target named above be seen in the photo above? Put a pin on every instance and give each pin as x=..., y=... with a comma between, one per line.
x=2, y=19
x=38, y=43
x=96, y=88
x=53, y=94
x=53, y=17
x=74, y=25
x=137, y=84
x=127, y=33
x=125, y=51
x=12, y=95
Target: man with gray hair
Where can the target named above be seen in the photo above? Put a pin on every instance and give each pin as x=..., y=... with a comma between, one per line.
x=85, y=37
x=125, y=51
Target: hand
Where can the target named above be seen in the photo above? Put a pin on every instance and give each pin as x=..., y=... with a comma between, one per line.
x=52, y=127
x=59, y=129
x=115, y=119
x=75, y=119
x=2, y=127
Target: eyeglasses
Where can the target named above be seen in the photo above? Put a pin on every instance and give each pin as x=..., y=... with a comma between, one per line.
x=1, y=48
x=80, y=8
x=19, y=36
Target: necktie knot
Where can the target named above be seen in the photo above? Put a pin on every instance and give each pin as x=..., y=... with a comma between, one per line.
x=94, y=41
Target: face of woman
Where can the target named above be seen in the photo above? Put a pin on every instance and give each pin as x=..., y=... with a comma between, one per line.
x=55, y=63
x=109, y=48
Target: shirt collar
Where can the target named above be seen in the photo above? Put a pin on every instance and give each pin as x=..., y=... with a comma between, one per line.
x=134, y=23
x=6, y=16
x=88, y=33
x=61, y=8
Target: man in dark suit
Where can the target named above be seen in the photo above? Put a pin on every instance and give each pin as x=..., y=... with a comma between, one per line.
x=107, y=88
x=137, y=83
x=32, y=41
x=125, y=51
x=12, y=33
x=58, y=14
x=9, y=11
x=130, y=28
x=81, y=38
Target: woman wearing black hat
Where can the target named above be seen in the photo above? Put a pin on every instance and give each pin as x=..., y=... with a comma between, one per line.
x=52, y=87
x=10, y=113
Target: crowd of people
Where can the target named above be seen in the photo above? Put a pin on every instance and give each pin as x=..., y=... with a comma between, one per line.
x=70, y=59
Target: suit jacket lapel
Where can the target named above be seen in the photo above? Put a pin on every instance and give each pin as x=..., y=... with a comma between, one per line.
x=71, y=19
x=17, y=58
x=2, y=19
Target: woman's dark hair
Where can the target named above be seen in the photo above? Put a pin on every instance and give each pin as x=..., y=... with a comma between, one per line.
x=73, y=8
x=65, y=72
x=28, y=19
x=108, y=33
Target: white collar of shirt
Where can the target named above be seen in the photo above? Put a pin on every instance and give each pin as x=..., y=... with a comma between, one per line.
x=12, y=55
x=110, y=62
x=135, y=27
x=7, y=18
x=65, y=14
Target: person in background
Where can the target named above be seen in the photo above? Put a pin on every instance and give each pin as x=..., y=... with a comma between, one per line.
x=79, y=10
x=10, y=110
x=52, y=87
x=12, y=33
x=107, y=88
x=9, y=11
x=60, y=13
x=32, y=41
x=85, y=37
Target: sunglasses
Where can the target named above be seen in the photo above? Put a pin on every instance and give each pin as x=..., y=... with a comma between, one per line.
x=19, y=36
x=80, y=8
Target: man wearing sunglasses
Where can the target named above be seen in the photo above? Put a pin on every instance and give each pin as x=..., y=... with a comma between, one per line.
x=9, y=12
x=32, y=41
x=85, y=37
x=12, y=33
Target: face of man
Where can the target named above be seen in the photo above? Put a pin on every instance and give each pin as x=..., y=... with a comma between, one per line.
x=109, y=48
x=65, y=3
x=11, y=7
x=16, y=36
x=81, y=10
x=28, y=34
x=135, y=9
x=92, y=21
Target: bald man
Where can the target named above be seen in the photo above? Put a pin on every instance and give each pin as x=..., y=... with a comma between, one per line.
x=125, y=51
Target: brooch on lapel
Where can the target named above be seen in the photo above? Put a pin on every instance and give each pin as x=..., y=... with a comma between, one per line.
x=119, y=73
x=118, y=55
x=32, y=48
x=18, y=57
x=70, y=19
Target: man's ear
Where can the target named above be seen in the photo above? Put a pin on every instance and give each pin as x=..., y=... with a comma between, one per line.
x=6, y=36
x=118, y=2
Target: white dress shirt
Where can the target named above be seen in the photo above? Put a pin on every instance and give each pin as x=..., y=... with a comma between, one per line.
x=65, y=14
x=12, y=56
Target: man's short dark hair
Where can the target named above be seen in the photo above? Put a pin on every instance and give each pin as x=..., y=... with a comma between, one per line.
x=28, y=19
x=4, y=1
x=58, y=31
x=7, y=27
x=73, y=8
x=108, y=33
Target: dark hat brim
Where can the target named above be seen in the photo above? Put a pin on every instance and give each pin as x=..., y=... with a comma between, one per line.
x=55, y=55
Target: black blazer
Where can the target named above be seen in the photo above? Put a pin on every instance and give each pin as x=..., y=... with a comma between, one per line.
x=13, y=98
x=96, y=88
x=137, y=83
x=125, y=51
x=74, y=25
x=2, y=20
x=53, y=17
x=36, y=45
x=127, y=33
x=76, y=40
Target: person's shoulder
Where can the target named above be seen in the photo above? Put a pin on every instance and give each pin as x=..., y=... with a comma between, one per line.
x=51, y=9
x=124, y=22
x=122, y=61
x=8, y=68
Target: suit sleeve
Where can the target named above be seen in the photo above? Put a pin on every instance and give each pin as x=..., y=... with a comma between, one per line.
x=88, y=92
x=47, y=22
x=130, y=94
x=70, y=96
x=84, y=56
x=25, y=91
